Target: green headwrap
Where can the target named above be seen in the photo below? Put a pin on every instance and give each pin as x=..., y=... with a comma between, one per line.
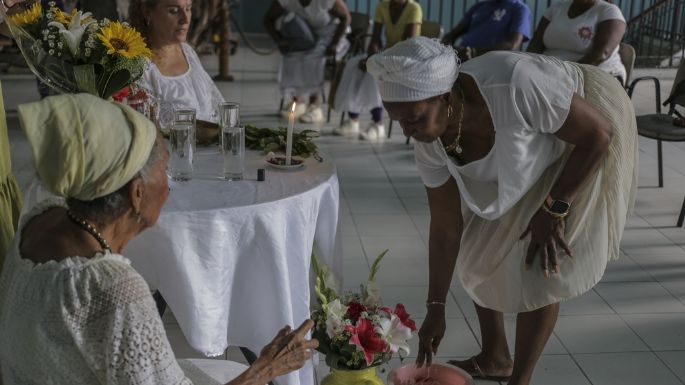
x=86, y=147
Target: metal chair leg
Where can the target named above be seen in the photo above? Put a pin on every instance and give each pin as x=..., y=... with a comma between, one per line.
x=328, y=117
x=281, y=106
x=390, y=129
x=681, y=217
x=342, y=118
x=160, y=302
x=660, y=162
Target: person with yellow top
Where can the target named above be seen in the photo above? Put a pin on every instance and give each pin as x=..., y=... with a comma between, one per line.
x=399, y=20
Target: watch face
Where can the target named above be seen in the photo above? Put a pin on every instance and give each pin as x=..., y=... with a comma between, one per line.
x=559, y=207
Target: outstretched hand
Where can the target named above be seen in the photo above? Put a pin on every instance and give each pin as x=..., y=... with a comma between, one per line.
x=547, y=240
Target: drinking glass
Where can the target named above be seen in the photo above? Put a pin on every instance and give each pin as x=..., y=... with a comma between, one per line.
x=233, y=150
x=182, y=145
x=229, y=114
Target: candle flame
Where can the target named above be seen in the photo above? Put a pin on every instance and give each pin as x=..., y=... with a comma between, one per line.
x=293, y=109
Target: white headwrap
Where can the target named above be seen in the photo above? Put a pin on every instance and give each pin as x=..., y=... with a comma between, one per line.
x=415, y=69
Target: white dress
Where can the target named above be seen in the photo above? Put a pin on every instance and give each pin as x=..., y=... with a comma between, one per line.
x=570, y=39
x=82, y=321
x=193, y=89
x=302, y=73
x=529, y=98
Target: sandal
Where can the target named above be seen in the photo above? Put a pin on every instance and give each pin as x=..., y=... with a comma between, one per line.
x=477, y=372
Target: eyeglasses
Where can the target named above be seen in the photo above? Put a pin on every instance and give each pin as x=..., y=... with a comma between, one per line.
x=18, y=7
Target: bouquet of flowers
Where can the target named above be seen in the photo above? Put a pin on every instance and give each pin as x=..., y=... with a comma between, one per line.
x=73, y=52
x=355, y=331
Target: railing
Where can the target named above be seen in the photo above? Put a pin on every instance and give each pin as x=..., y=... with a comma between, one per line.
x=656, y=28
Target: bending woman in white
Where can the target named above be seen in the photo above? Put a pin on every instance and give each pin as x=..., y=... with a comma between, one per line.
x=175, y=74
x=525, y=158
x=72, y=309
x=582, y=31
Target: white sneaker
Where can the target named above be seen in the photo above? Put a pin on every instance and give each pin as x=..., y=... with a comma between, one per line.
x=314, y=114
x=300, y=110
x=375, y=131
x=349, y=127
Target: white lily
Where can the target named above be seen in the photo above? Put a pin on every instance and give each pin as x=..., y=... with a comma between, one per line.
x=77, y=27
x=335, y=314
x=395, y=334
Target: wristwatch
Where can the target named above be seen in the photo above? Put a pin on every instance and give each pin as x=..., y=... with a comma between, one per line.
x=557, y=206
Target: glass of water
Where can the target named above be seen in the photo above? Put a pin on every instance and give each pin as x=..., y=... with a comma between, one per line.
x=229, y=114
x=233, y=150
x=182, y=145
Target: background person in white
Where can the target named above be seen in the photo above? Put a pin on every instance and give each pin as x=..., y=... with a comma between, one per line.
x=582, y=31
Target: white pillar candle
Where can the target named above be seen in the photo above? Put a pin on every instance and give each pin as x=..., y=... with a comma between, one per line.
x=289, y=139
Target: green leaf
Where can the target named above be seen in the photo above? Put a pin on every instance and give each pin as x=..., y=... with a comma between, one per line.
x=376, y=265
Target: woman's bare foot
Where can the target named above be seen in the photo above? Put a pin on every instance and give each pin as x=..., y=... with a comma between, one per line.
x=490, y=368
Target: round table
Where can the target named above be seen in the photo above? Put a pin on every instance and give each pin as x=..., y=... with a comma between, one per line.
x=232, y=259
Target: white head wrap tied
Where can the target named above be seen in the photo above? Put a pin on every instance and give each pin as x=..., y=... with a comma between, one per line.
x=415, y=69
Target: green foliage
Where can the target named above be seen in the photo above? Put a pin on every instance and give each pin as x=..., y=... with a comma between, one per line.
x=274, y=140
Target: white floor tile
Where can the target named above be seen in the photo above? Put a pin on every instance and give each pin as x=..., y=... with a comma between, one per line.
x=677, y=288
x=589, y=303
x=382, y=225
x=558, y=370
x=659, y=331
x=414, y=299
x=626, y=369
x=597, y=334
x=639, y=297
x=553, y=346
x=400, y=247
x=352, y=249
x=674, y=360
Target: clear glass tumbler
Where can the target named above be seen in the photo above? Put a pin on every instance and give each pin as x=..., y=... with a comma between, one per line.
x=233, y=150
x=182, y=145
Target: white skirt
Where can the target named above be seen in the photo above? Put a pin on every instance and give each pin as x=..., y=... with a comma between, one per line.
x=357, y=90
x=491, y=261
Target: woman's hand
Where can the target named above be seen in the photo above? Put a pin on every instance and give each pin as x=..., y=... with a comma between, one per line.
x=547, y=238
x=289, y=350
x=431, y=333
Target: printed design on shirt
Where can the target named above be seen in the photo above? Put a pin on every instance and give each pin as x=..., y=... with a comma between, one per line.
x=499, y=14
x=585, y=34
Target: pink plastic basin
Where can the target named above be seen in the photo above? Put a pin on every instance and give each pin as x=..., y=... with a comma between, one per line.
x=438, y=374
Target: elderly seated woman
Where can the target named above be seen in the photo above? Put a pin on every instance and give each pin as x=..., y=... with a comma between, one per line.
x=582, y=31
x=72, y=309
x=176, y=74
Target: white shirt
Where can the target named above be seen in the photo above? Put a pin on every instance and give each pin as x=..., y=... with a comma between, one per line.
x=529, y=97
x=80, y=321
x=570, y=39
x=316, y=14
x=193, y=89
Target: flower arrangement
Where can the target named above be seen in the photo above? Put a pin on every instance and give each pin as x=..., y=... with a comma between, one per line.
x=73, y=52
x=355, y=331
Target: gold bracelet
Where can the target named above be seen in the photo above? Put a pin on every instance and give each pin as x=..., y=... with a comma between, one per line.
x=555, y=215
x=431, y=303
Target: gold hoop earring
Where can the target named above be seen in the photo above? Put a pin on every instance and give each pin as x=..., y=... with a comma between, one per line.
x=450, y=110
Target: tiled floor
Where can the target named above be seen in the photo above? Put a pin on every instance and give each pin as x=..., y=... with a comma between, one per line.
x=630, y=329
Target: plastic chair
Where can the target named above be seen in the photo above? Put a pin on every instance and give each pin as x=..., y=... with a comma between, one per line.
x=627, y=54
x=660, y=126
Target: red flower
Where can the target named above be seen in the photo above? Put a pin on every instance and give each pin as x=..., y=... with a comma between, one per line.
x=354, y=310
x=365, y=338
x=122, y=94
x=402, y=314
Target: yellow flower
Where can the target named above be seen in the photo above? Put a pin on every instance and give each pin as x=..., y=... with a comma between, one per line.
x=29, y=16
x=65, y=18
x=123, y=40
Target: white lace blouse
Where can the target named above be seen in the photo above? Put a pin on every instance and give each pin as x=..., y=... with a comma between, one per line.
x=81, y=321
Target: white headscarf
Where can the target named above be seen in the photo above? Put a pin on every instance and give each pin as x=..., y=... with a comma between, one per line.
x=415, y=69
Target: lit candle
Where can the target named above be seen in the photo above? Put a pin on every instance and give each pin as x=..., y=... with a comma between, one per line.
x=289, y=139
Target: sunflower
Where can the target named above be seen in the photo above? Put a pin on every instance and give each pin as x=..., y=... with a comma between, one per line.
x=123, y=40
x=29, y=16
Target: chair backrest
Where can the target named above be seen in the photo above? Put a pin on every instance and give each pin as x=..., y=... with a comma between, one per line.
x=359, y=31
x=627, y=54
x=679, y=78
x=431, y=29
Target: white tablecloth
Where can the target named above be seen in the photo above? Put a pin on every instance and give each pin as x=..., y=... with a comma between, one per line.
x=232, y=259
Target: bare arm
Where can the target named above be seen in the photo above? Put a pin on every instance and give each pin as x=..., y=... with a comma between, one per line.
x=454, y=34
x=375, y=44
x=340, y=12
x=537, y=44
x=590, y=133
x=607, y=37
x=411, y=30
x=443, y=247
x=275, y=11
